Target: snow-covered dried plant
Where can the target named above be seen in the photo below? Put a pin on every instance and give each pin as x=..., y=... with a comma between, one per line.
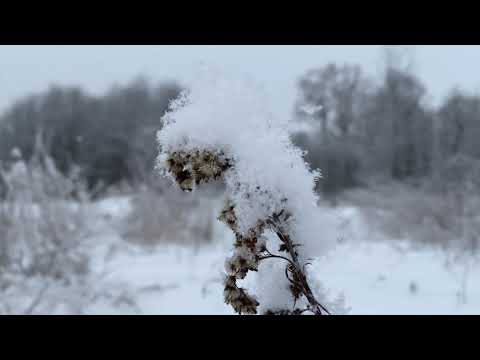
x=42, y=229
x=221, y=129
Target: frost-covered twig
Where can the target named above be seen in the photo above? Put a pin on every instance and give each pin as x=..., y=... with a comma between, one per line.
x=221, y=131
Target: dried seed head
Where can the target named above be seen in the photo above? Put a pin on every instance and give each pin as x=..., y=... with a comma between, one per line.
x=238, y=298
x=228, y=217
x=196, y=167
x=241, y=263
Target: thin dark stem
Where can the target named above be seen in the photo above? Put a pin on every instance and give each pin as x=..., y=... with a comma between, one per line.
x=298, y=271
x=272, y=256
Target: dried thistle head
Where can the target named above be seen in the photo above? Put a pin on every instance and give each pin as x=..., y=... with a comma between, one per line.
x=196, y=167
x=228, y=217
x=238, y=298
x=241, y=263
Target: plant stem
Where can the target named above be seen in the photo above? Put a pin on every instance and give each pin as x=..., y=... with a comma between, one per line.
x=299, y=274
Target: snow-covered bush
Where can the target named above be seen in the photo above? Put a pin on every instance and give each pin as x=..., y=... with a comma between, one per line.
x=42, y=227
x=169, y=217
x=422, y=214
x=221, y=128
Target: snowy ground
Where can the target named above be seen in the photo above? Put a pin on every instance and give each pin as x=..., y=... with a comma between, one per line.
x=374, y=277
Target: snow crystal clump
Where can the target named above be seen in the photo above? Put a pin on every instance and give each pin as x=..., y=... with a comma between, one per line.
x=229, y=116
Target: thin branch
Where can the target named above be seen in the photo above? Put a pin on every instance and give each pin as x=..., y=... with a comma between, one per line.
x=298, y=271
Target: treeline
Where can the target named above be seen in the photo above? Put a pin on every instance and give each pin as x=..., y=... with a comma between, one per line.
x=110, y=138
x=363, y=129
x=384, y=129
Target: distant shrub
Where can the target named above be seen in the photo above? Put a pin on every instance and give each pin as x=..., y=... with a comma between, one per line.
x=42, y=221
x=449, y=219
x=169, y=216
x=43, y=224
x=458, y=172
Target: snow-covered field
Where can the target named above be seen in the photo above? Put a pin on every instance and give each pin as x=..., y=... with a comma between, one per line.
x=375, y=277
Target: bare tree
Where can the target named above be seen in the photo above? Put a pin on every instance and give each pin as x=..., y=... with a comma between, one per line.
x=336, y=95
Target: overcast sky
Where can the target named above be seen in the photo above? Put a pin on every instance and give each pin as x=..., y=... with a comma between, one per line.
x=26, y=69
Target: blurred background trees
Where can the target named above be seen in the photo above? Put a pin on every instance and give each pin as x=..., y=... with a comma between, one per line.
x=364, y=129
x=111, y=137
x=336, y=95
x=360, y=129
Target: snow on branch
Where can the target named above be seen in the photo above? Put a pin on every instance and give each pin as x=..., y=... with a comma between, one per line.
x=221, y=129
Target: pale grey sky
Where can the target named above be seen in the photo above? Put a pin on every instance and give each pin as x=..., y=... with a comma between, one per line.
x=25, y=69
